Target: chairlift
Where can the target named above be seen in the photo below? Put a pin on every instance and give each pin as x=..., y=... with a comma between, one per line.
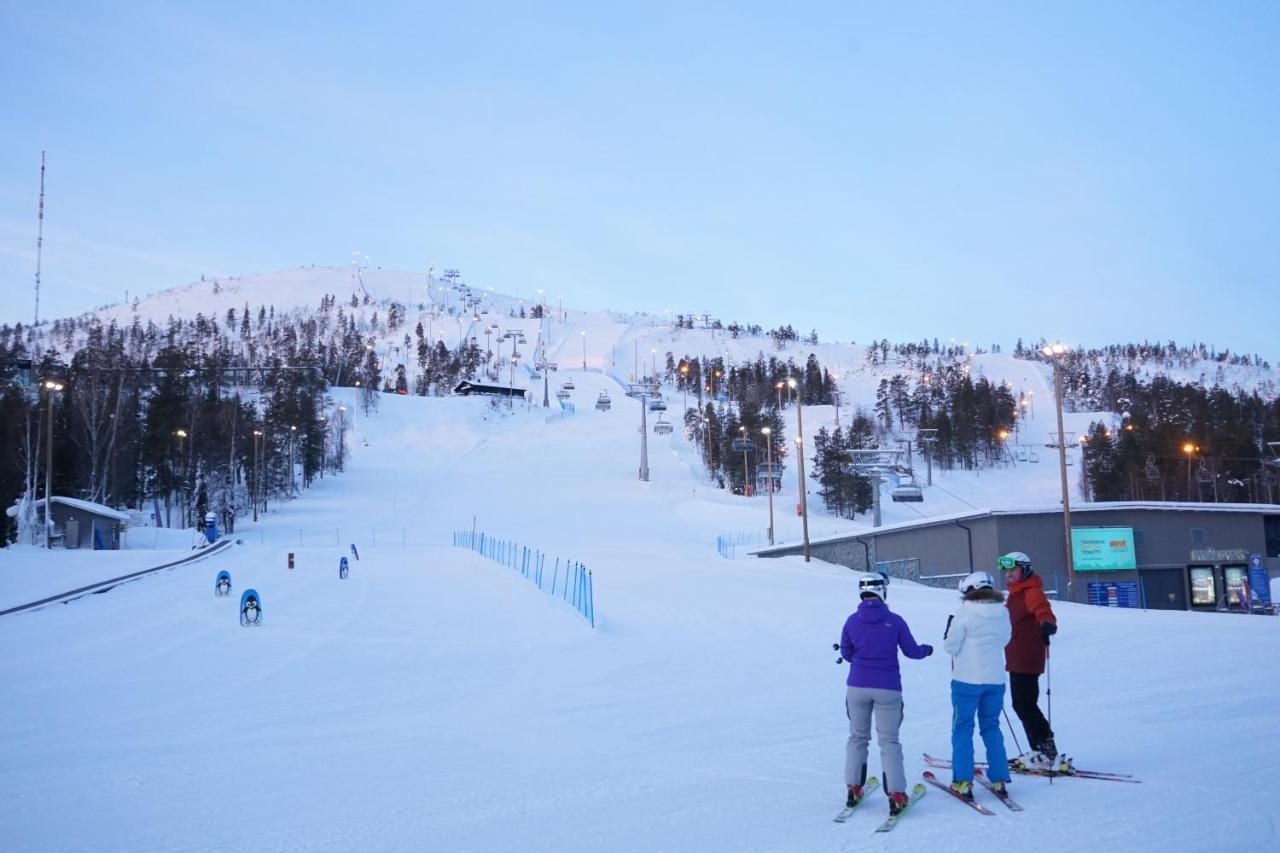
x=603, y=403
x=662, y=427
x=535, y=375
x=568, y=386
x=1022, y=454
x=657, y=404
x=1152, y=469
x=907, y=493
x=1203, y=474
x=1070, y=460
x=562, y=394
x=1107, y=466
x=1033, y=457
x=743, y=445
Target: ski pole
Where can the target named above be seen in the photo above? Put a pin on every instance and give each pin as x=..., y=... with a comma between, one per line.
x=1011, y=731
x=1048, y=692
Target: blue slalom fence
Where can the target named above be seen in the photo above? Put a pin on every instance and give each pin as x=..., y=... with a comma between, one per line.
x=568, y=580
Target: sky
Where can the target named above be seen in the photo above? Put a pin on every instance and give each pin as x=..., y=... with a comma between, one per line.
x=1090, y=172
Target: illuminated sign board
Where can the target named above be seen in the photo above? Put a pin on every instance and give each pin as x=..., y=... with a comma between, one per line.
x=1103, y=549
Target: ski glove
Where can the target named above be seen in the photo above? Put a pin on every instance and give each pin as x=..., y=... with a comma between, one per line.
x=1047, y=630
x=928, y=649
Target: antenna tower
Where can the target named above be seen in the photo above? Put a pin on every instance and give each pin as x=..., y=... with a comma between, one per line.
x=39, y=238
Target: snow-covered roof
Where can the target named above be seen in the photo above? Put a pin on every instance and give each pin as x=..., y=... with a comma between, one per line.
x=76, y=503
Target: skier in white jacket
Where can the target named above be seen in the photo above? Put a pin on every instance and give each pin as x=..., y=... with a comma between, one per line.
x=975, y=638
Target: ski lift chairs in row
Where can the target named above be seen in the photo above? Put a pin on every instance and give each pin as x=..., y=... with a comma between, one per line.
x=562, y=394
x=743, y=445
x=603, y=403
x=662, y=427
x=568, y=385
x=657, y=404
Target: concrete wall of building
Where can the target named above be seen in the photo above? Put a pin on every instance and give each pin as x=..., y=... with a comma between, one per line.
x=942, y=549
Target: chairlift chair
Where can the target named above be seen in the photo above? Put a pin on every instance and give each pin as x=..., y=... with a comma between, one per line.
x=603, y=403
x=743, y=445
x=568, y=385
x=657, y=404
x=907, y=493
x=662, y=427
x=1152, y=469
x=1022, y=454
x=562, y=394
x=1203, y=474
x=1033, y=457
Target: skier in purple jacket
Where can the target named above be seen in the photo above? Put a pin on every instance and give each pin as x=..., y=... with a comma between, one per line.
x=870, y=641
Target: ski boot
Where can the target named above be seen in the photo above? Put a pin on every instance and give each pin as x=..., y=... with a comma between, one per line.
x=963, y=790
x=855, y=794
x=897, y=802
x=1000, y=789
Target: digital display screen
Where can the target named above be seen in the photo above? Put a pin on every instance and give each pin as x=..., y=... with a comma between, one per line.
x=1103, y=549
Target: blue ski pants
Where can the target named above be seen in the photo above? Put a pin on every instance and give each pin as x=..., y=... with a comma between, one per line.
x=984, y=700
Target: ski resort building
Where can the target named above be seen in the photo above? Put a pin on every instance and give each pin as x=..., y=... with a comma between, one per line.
x=1167, y=556
x=81, y=524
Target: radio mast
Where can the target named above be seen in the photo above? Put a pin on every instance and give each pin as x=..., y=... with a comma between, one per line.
x=39, y=237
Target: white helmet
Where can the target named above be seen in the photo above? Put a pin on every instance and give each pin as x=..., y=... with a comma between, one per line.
x=977, y=580
x=876, y=584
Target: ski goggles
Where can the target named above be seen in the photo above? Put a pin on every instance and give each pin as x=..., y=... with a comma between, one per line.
x=1007, y=564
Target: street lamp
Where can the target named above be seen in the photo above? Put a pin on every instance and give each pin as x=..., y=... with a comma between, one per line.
x=804, y=503
x=1055, y=352
x=584, y=350
x=684, y=383
x=768, y=446
x=257, y=474
x=292, y=429
x=1190, y=450
x=52, y=388
x=182, y=492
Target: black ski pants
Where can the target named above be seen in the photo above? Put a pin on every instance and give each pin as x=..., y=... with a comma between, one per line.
x=1024, y=689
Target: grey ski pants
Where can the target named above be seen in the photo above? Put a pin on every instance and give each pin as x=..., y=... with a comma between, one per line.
x=859, y=703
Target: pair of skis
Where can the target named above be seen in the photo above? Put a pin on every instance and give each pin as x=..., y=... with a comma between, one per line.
x=982, y=780
x=933, y=761
x=916, y=793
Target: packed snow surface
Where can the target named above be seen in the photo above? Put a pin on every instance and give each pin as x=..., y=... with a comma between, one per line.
x=436, y=700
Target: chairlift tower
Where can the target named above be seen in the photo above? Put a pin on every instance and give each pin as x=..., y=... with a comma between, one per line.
x=875, y=465
x=927, y=437
x=642, y=392
x=543, y=367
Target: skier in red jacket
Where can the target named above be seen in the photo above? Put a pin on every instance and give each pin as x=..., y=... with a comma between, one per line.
x=1033, y=624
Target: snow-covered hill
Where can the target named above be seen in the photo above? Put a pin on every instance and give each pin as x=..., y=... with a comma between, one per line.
x=438, y=701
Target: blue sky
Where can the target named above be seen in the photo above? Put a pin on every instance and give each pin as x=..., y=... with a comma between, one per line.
x=1092, y=172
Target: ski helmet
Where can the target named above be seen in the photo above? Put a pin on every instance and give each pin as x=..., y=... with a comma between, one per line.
x=876, y=584
x=978, y=580
x=1015, y=561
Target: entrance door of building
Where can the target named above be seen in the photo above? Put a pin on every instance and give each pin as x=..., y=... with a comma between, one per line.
x=1163, y=589
x=1204, y=587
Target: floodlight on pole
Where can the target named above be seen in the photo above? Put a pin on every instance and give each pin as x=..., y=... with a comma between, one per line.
x=768, y=445
x=1054, y=352
x=804, y=503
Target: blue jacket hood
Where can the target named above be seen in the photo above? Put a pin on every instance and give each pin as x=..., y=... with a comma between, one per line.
x=872, y=610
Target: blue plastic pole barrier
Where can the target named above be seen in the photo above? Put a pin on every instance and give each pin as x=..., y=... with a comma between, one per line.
x=555, y=576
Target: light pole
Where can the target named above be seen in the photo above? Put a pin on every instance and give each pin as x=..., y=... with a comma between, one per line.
x=584, y=350
x=768, y=447
x=684, y=384
x=257, y=474
x=1055, y=352
x=182, y=479
x=804, y=503
x=1190, y=450
x=745, y=485
x=342, y=431
x=50, y=388
x=292, y=430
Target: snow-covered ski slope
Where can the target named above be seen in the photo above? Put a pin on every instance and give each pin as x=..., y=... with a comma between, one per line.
x=436, y=700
